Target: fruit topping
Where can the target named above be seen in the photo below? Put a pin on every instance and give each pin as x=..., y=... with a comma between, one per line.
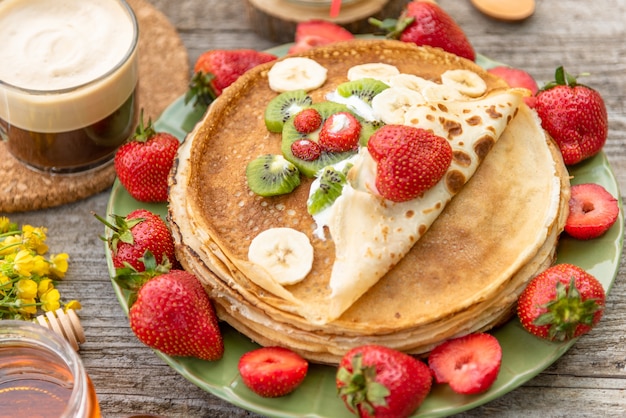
x=296, y=73
x=516, y=77
x=561, y=303
x=286, y=254
x=364, y=88
x=592, y=211
x=307, y=121
x=144, y=162
x=574, y=115
x=312, y=33
x=423, y=22
x=305, y=149
x=331, y=182
x=465, y=81
x=284, y=106
x=272, y=371
x=340, y=132
x=409, y=161
x=272, y=175
x=469, y=364
x=377, y=381
x=310, y=168
x=376, y=70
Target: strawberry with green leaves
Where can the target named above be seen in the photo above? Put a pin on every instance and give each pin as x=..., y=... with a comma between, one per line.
x=134, y=234
x=172, y=313
x=409, y=160
x=272, y=372
x=469, y=364
x=592, y=211
x=312, y=33
x=561, y=303
x=377, y=381
x=423, y=22
x=217, y=69
x=143, y=164
x=574, y=115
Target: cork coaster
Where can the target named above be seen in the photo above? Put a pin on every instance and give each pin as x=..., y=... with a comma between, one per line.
x=22, y=189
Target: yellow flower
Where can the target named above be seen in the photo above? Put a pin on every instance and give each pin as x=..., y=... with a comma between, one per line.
x=10, y=245
x=27, y=306
x=26, y=289
x=44, y=286
x=5, y=282
x=50, y=300
x=34, y=238
x=40, y=266
x=5, y=224
x=58, y=265
x=23, y=263
x=72, y=304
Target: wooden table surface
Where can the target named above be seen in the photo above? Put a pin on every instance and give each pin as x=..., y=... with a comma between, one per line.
x=589, y=380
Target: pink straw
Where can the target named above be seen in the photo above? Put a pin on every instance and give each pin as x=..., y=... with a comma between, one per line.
x=335, y=7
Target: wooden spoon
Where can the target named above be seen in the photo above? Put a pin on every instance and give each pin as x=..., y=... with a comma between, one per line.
x=507, y=10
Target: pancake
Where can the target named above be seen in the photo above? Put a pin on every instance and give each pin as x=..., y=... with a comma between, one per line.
x=463, y=275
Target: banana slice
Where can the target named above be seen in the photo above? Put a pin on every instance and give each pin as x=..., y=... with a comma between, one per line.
x=391, y=104
x=375, y=70
x=297, y=73
x=411, y=82
x=441, y=93
x=465, y=81
x=286, y=254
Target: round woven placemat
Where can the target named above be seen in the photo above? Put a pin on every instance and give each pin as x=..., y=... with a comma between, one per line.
x=22, y=189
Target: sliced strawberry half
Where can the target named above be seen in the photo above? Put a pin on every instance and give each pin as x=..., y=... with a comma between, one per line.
x=314, y=33
x=516, y=77
x=592, y=211
x=340, y=133
x=469, y=364
x=272, y=371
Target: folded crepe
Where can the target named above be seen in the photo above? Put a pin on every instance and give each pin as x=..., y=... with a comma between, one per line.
x=464, y=273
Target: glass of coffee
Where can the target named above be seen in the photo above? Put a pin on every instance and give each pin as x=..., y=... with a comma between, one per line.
x=68, y=81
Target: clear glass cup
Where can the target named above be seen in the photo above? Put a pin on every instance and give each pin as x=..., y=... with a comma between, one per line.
x=68, y=81
x=42, y=375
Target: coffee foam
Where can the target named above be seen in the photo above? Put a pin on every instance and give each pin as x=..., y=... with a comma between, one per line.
x=56, y=47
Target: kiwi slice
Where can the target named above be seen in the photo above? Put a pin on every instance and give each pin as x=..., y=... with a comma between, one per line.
x=368, y=127
x=364, y=88
x=284, y=106
x=331, y=185
x=272, y=175
x=291, y=134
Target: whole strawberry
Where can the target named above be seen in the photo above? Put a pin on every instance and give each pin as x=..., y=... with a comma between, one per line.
x=423, y=22
x=377, y=381
x=173, y=314
x=409, y=160
x=561, y=303
x=574, y=115
x=143, y=164
x=272, y=372
x=134, y=234
x=217, y=69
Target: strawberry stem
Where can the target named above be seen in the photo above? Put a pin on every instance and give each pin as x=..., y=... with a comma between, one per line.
x=566, y=312
x=360, y=386
x=201, y=89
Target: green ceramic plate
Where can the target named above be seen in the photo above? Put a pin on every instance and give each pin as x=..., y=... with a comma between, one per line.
x=524, y=356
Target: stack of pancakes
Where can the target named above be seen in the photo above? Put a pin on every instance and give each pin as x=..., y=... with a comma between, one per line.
x=464, y=275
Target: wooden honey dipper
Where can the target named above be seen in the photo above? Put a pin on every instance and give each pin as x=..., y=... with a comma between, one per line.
x=65, y=324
